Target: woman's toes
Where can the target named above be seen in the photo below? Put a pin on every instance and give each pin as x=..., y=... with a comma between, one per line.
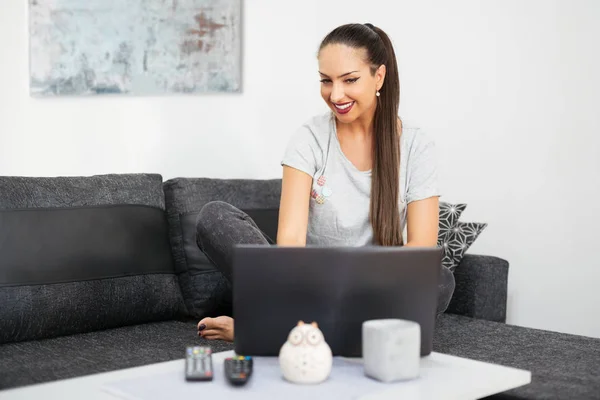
x=206, y=323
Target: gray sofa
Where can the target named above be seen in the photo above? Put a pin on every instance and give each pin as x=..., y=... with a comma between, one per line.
x=102, y=273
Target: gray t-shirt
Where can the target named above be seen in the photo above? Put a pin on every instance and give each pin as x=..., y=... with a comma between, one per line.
x=339, y=202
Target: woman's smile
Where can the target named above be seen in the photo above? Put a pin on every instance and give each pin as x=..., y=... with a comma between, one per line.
x=343, y=108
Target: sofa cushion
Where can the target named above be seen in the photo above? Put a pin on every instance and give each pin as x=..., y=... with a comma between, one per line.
x=481, y=289
x=205, y=289
x=81, y=254
x=38, y=361
x=562, y=366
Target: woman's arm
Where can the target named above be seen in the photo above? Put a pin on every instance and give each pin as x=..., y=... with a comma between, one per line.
x=422, y=222
x=293, y=208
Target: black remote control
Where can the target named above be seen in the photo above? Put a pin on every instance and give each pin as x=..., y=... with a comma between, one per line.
x=198, y=363
x=238, y=369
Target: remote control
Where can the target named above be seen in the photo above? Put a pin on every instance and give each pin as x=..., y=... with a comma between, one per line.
x=238, y=369
x=198, y=363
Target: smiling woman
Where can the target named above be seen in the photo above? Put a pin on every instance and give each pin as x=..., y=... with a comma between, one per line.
x=354, y=176
x=362, y=59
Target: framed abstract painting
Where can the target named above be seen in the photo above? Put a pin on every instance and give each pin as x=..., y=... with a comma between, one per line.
x=134, y=47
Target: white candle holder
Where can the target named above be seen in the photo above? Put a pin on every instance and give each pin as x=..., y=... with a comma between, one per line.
x=391, y=349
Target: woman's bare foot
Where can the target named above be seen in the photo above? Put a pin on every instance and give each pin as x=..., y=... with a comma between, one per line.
x=216, y=328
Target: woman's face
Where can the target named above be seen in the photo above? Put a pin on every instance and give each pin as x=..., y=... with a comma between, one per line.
x=347, y=85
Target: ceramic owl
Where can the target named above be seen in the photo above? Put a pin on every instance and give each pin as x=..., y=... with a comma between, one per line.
x=305, y=357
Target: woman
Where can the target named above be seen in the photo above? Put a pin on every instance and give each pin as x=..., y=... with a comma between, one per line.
x=352, y=177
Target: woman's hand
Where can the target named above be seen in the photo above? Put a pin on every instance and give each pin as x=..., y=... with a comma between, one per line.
x=220, y=328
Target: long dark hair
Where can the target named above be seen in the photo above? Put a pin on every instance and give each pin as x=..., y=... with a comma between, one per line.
x=384, y=213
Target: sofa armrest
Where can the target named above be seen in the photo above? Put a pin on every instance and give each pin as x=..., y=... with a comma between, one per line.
x=481, y=288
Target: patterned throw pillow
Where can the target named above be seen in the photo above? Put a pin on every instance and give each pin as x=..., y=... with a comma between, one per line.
x=449, y=215
x=461, y=237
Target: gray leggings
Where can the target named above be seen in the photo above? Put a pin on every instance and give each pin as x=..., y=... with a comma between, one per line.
x=220, y=226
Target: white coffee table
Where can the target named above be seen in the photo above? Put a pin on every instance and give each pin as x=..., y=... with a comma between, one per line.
x=442, y=377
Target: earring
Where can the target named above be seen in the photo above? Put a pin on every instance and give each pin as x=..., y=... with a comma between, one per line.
x=377, y=94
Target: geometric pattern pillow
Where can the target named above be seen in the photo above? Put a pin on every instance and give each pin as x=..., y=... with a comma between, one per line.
x=449, y=215
x=461, y=237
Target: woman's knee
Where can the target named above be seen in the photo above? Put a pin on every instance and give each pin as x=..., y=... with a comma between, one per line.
x=214, y=211
x=445, y=289
x=211, y=216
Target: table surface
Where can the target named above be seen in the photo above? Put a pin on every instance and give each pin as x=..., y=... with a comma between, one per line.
x=441, y=376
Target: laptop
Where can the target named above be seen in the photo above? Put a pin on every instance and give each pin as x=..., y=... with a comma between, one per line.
x=337, y=287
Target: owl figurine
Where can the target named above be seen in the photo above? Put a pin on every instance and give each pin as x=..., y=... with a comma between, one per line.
x=305, y=357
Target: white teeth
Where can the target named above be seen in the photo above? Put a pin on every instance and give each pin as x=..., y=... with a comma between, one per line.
x=344, y=106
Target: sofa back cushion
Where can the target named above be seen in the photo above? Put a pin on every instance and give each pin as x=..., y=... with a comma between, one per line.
x=84, y=253
x=205, y=290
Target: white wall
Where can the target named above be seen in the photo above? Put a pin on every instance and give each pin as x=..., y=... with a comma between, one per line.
x=509, y=89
